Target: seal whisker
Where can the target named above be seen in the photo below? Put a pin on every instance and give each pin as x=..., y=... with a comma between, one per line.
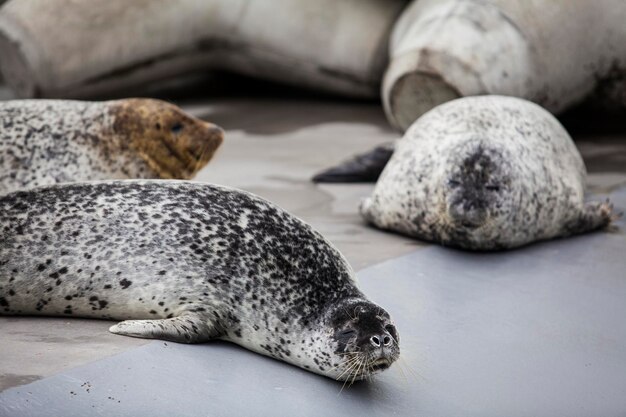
x=350, y=365
x=353, y=366
x=403, y=362
x=357, y=371
x=348, y=362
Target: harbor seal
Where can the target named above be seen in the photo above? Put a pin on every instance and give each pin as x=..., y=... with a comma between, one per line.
x=44, y=142
x=190, y=262
x=485, y=173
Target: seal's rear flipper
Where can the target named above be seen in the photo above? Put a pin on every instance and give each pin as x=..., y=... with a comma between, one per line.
x=594, y=216
x=364, y=167
x=188, y=328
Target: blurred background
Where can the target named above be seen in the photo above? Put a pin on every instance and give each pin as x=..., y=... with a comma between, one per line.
x=302, y=86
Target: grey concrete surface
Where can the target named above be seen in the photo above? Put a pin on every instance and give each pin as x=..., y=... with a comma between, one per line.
x=532, y=332
x=272, y=149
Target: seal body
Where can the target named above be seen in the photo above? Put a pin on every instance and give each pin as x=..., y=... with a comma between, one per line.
x=44, y=142
x=485, y=173
x=190, y=262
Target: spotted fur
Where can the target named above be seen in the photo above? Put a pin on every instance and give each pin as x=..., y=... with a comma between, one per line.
x=44, y=142
x=190, y=262
x=485, y=173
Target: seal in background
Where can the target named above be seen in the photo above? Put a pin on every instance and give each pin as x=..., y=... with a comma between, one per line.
x=485, y=173
x=44, y=142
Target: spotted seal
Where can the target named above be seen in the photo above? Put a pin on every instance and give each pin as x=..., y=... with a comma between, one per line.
x=44, y=142
x=485, y=173
x=190, y=262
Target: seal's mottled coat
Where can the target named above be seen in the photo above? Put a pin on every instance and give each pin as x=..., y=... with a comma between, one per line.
x=44, y=142
x=484, y=173
x=190, y=262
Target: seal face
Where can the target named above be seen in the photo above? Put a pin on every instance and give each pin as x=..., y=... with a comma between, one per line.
x=190, y=262
x=44, y=142
x=485, y=173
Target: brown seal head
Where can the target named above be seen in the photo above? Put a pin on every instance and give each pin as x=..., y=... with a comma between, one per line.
x=174, y=144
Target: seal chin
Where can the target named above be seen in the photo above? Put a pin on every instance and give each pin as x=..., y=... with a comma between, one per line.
x=379, y=365
x=362, y=366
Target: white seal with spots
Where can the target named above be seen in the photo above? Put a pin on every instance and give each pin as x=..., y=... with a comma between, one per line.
x=484, y=173
x=190, y=262
x=44, y=142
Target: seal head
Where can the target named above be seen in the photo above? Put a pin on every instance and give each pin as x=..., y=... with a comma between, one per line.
x=364, y=339
x=477, y=190
x=174, y=144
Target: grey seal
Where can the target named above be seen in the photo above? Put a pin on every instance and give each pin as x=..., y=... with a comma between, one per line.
x=190, y=262
x=485, y=173
x=44, y=142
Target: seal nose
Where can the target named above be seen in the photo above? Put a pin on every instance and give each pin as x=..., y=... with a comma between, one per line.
x=376, y=341
x=468, y=215
x=215, y=131
x=203, y=146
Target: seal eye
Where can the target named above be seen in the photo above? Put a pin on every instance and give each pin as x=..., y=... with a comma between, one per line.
x=346, y=334
x=176, y=128
x=391, y=329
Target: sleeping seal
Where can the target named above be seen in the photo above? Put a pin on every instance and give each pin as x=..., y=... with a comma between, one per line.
x=190, y=262
x=44, y=142
x=485, y=173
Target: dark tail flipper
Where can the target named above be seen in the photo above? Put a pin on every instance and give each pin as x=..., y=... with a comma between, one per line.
x=364, y=167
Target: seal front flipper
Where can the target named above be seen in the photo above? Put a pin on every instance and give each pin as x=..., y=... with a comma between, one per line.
x=187, y=328
x=365, y=167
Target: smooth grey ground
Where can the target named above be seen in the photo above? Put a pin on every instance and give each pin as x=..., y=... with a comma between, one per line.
x=488, y=335
x=305, y=136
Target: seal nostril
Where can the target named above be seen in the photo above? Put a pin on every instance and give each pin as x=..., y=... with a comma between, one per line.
x=386, y=340
x=375, y=341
